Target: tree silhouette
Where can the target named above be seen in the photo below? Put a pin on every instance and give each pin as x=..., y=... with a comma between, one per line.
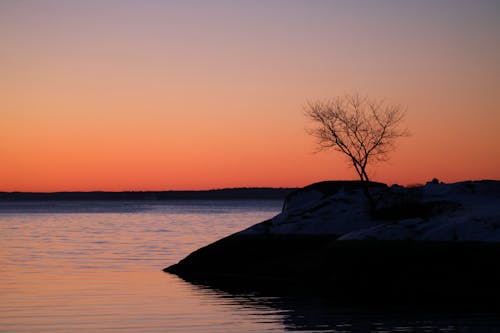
x=363, y=130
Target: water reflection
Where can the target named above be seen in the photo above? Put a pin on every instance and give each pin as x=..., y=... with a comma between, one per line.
x=62, y=270
x=314, y=313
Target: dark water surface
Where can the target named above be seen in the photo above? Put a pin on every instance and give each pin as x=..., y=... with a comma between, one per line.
x=97, y=267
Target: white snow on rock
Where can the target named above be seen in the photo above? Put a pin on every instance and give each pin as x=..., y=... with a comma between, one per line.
x=326, y=208
x=329, y=215
x=464, y=211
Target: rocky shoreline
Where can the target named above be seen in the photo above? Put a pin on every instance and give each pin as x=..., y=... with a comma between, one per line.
x=365, y=270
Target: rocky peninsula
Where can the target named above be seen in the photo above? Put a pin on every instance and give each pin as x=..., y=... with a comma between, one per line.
x=436, y=243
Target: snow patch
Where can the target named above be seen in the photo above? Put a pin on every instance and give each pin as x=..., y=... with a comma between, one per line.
x=465, y=211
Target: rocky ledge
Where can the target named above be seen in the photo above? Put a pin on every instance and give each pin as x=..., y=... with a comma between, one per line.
x=431, y=243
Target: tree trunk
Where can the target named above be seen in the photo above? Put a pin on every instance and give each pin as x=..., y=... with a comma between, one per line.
x=365, y=183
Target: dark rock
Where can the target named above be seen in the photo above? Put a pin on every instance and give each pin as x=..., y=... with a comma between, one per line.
x=360, y=272
x=453, y=273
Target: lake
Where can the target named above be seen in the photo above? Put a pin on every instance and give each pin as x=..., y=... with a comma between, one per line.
x=97, y=267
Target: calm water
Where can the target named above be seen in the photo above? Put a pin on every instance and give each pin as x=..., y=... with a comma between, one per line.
x=97, y=266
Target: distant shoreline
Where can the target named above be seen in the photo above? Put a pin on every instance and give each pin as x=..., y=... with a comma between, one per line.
x=250, y=193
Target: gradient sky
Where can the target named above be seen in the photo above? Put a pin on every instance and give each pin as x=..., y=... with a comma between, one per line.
x=157, y=95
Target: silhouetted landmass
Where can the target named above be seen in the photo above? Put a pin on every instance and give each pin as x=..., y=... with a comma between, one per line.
x=436, y=244
x=249, y=193
x=368, y=273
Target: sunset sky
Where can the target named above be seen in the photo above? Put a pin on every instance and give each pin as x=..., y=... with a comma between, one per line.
x=159, y=95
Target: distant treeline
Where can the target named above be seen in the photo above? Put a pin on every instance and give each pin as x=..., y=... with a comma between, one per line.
x=221, y=194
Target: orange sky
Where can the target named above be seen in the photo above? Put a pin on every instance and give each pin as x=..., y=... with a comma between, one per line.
x=149, y=95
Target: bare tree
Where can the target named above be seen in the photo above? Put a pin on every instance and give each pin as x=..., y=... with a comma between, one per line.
x=363, y=130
